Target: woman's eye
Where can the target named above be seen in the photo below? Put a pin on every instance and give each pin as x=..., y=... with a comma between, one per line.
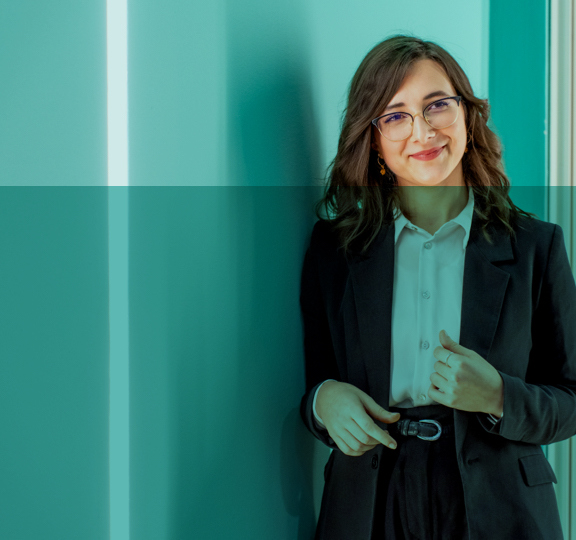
x=438, y=105
x=393, y=118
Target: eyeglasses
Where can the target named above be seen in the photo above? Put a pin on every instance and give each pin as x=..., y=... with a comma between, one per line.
x=439, y=114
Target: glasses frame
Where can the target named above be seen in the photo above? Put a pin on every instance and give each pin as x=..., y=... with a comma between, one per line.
x=455, y=98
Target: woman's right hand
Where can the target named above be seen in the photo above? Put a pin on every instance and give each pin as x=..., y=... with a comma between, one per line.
x=348, y=415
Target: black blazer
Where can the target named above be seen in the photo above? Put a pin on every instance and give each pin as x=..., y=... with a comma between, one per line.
x=518, y=312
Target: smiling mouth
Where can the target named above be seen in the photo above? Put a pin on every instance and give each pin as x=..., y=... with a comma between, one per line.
x=429, y=154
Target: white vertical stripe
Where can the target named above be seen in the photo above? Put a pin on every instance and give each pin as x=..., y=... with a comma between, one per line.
x=117, y=113
x=117, y=84
x=119, y=425
x=562, y=129
x=562, y=205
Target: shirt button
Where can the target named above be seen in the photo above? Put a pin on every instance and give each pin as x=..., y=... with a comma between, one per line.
x=374, y=462
x=422, y=397
x=428, y=245
x=425, y=344
x=426, y=295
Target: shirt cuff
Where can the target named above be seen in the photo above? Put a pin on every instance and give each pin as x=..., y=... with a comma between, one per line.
x=316, y=417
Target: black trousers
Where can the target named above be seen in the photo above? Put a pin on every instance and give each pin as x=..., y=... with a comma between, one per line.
x=420, y=493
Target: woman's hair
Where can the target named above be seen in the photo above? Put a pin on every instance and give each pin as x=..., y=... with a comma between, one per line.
x=358, y=197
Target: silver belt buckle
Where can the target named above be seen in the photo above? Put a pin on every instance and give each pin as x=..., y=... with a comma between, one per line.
x=434, y=437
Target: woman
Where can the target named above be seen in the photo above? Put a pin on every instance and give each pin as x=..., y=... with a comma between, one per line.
x=439, y=319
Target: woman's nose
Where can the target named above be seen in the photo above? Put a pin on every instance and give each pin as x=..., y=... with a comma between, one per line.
x=421, y=130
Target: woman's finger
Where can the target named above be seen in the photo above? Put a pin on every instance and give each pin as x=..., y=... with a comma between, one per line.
x=442, y=369
x=360, y=435
x=356, y=445
x=382, y=436
x=437, y=380
x=344, y=447
x=353, y=441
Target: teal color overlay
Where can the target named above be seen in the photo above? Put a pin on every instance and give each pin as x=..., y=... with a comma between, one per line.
x=54, y=363
x=217, y=447
x=234, y=116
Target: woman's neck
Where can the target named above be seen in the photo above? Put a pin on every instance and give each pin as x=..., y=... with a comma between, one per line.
x=429, y=207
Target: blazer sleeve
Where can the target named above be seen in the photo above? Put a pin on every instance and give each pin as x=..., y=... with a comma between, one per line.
x=319, y=357
x=542, y=409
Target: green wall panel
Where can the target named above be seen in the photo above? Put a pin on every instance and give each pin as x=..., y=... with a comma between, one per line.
x=53, y=93
x=225, y=95
x=54, y=265
x=251, y=92
x=54, y=350
x=518, y=79
x=216, y=372
x=244, y=99
x=177, y=89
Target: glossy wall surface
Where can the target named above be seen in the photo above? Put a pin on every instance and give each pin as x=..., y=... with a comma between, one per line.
x=234, y=112
x=518, y=80
x=54, y=351
x=53, y=93
x=236, y=106
x=54, y=270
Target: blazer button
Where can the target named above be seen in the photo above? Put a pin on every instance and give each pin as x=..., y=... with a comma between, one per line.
x=374, y=462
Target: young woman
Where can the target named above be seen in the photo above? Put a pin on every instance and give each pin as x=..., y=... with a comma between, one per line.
x=439, y=319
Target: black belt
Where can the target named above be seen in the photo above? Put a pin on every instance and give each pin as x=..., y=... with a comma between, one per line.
x=427, y=430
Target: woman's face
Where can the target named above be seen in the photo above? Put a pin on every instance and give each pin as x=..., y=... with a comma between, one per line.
x=424, y=78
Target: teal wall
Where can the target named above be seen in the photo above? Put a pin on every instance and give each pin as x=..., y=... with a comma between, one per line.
x=234, y=116
x=54, y=369
x=250, y=93
x=53, y=93
x=518, y=96
x=217, y=447
x=54, y=269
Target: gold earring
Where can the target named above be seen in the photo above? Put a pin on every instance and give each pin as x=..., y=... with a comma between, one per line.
x=382, y=169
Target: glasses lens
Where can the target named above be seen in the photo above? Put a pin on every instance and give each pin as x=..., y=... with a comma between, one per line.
x=441, y=113
x=396, y=126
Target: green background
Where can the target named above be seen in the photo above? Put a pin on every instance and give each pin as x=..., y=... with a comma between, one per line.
x=234, y=109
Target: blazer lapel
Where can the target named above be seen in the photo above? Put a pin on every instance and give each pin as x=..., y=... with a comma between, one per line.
x=483, y=294
x=372, y=279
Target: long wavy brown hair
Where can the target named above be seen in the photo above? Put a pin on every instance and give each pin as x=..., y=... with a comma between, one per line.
x=357, y=199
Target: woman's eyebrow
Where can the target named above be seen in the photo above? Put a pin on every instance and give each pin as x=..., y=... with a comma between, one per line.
x=437, y=93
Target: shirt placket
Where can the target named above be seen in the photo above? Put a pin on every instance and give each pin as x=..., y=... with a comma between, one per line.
x=421, y=381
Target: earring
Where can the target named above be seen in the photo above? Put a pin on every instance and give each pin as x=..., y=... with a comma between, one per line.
x=382, y=169
x=468, y=141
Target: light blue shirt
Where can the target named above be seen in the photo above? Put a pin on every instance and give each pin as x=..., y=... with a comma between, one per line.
x=428, y=280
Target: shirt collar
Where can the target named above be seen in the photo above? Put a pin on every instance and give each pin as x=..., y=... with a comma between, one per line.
x=464, y=219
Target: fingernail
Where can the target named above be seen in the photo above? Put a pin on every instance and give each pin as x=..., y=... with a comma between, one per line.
x=392, y=446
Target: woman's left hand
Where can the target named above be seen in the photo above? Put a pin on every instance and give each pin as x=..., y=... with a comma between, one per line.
x=467, y=382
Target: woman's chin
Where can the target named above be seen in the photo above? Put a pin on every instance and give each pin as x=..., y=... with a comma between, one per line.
x=428, y=181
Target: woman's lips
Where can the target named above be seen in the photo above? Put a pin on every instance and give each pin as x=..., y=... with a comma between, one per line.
x=427, y=155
